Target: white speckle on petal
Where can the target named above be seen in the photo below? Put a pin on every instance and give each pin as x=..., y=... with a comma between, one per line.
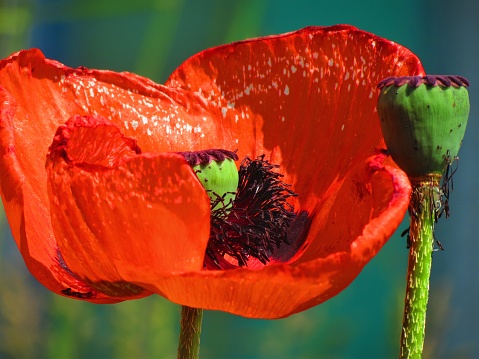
x=286, y=90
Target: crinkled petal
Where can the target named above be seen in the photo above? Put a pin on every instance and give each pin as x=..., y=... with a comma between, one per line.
x=117, y=214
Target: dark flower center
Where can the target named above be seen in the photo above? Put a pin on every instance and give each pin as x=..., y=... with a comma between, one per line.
x=256, y=222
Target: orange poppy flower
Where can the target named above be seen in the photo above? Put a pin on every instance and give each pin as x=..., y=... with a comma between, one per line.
x=105, y=221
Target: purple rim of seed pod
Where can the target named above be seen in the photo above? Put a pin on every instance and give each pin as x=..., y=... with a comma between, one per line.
x=206, y=156
x=431, y=80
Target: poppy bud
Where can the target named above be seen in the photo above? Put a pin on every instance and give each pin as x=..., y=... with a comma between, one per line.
x=423, y=120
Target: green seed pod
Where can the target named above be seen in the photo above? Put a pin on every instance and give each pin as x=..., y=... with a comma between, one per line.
x=423, y=120
x=217, y=172
x=220, y=179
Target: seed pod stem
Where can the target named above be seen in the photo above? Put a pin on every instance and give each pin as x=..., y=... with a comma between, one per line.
x=425, y=199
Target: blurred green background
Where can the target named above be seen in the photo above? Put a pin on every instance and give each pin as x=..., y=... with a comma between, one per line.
x=151, y=38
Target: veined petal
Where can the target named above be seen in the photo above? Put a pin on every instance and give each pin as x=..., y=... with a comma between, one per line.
x=118, y=214
x=367, y=212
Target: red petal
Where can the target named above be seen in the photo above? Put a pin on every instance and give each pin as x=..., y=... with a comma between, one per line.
x=38, y=95
x=24, y=199
x=367, y=214
x=117, y=215
x=308, y=100
x=311, y=92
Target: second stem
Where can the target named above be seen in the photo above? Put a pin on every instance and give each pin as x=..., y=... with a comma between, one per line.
x=423, y=208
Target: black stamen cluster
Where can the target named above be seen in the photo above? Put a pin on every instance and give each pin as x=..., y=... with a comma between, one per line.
x=256, y=222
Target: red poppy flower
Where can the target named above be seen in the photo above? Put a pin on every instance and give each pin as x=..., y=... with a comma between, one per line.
x=105, y=221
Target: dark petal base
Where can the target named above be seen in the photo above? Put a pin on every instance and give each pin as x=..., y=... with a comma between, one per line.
x=81, y=289
x=296, y=237
x=85, y=289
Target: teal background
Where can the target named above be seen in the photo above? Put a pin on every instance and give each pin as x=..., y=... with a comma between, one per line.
x=152, y=38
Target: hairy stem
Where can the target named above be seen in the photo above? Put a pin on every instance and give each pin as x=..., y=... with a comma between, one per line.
x=190, y=331
x=422, y=210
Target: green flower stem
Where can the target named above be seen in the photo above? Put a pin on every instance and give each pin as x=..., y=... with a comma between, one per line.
x=422, y=209
x=190, y=331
